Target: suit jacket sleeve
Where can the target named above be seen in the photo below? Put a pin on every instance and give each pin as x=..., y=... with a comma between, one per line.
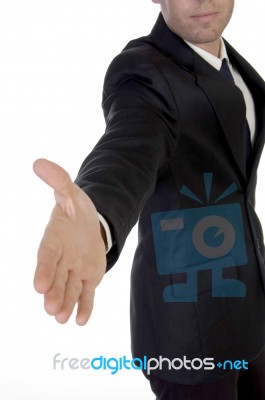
x=141, y=118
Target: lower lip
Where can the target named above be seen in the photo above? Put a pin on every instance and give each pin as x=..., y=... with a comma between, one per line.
x=204, y=18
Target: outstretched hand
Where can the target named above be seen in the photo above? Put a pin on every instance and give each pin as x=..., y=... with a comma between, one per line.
x=71, y=257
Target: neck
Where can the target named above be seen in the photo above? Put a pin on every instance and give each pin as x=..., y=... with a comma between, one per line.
x=213, y=47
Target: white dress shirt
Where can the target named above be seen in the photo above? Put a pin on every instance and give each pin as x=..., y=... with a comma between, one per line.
x=250, y=107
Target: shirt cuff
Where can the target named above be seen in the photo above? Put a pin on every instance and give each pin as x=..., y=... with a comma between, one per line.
x=107, y=231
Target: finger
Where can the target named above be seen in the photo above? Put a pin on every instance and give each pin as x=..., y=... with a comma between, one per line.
x=85, y=305
x=47, y=262
x=53, y=299
x=72, y=293
x=54, y=175
x=48, y=257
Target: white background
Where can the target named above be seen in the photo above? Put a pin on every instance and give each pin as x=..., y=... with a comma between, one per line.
x=53, y=57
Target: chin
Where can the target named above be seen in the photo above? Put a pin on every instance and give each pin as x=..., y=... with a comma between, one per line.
x=205, y=37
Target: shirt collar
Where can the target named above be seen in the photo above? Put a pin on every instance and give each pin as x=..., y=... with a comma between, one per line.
x=210, y=58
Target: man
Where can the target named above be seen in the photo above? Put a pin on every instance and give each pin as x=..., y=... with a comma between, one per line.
x=185, y=118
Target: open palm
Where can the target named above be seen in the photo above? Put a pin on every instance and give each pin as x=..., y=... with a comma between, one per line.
x=71, y=256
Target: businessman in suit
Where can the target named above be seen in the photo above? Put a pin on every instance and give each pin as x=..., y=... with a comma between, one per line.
x=185, y=128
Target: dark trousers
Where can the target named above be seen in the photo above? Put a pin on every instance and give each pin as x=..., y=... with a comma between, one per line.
x=247, y=385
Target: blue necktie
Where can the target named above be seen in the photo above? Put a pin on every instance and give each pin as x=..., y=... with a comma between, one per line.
x=225, y=71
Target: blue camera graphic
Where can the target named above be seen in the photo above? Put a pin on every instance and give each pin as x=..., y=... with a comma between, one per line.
x=196, y=239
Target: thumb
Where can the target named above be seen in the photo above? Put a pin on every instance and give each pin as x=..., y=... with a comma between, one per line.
x=55, y=176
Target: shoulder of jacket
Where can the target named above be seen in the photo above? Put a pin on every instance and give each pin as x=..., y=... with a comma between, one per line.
x=139, y=60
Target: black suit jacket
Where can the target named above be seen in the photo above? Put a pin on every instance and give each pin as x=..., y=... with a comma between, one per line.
x=173, y=155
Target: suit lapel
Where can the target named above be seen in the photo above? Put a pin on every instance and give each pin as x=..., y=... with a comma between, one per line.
x=256, y=86
x=226, y=99
x=229, y=106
